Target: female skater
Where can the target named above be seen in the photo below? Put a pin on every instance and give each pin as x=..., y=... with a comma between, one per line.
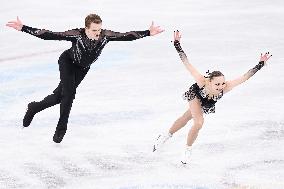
x=202, y=97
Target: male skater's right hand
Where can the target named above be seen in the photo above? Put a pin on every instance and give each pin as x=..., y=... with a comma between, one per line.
x=17, y=25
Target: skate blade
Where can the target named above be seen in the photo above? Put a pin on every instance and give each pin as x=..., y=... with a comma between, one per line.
x=154, y=148
x=183, y=162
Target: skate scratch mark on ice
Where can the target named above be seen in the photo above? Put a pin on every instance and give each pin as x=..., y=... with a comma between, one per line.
x=140, y=160
x=163, y=186
x=276, y=162
x=29, y=55
x=214, y=147
x=257, y=166
x=73, y=169
x=49, y=179
x=102, y=118
x=106, y=163
x=273, y=130
x=106, y=166
x=7, y=181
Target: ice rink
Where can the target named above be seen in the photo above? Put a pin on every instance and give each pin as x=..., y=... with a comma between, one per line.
x=134, y=92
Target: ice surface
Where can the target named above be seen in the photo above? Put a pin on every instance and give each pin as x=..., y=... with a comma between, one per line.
x=133, y=92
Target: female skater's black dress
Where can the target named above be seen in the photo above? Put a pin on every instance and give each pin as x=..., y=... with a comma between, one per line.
x=207, y=104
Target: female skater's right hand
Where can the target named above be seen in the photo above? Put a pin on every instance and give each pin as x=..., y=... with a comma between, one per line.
x=264, y=57
x=17, y=25
x=177, y=35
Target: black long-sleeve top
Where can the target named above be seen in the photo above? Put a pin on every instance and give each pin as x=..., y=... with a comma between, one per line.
x=85, y=51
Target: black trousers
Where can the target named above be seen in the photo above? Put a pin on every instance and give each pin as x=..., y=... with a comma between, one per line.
x=71, y=76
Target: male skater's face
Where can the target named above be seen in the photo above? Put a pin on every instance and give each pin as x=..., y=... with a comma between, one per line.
x=93, y=31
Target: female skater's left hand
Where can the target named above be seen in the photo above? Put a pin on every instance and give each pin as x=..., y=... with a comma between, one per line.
x=264, y=57
x=154, y=30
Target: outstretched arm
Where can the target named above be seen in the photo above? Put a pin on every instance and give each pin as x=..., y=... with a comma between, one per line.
x=233, y=83
x=200, y=80
x=42, y=33
x=17, y=25
x=133, y=35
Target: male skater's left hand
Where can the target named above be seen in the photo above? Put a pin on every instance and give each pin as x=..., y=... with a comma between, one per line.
x=154, y=30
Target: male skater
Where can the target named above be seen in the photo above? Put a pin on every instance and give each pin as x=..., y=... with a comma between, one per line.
x=74, y=63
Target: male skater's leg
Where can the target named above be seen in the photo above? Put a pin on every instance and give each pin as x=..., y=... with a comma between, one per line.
x=52, y=99
x=48, y=101
x=71, y=76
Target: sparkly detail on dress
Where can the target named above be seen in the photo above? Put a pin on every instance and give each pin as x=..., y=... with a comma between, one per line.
x=207, y=104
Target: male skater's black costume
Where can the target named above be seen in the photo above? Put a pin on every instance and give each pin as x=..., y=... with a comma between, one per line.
x=74, y=64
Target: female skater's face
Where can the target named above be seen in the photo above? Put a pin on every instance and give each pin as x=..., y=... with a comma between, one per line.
x=218, y=84
x=93, y=31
